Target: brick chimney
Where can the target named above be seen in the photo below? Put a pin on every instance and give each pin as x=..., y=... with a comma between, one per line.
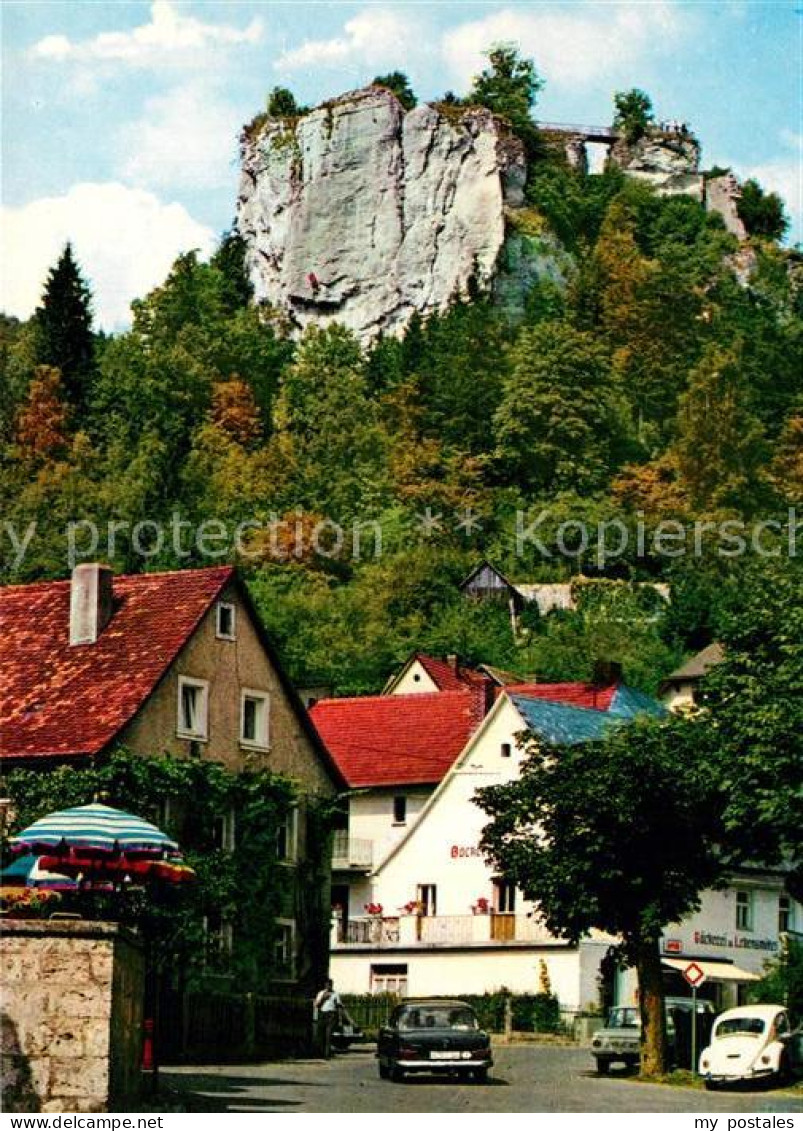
x=90, y=602
x=607, y=672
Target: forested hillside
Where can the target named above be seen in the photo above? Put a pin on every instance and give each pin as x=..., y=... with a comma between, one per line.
x=663, y=382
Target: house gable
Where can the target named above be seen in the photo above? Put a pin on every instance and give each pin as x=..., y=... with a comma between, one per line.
x=442, y=847
x=231, y=668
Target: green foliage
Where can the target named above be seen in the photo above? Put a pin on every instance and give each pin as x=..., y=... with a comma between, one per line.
x=327, y=427
x=282, y=103
x=229, y=260
x=243, y=886
x=560, y=423
x=721, y=467
x=633, y=113
x=544, y=1010
x=783, y=981
x=509, y=86
x=63, y=322
x=539, y=1013
x=624, y=844
x=751, y=726
x=762, y=213
x=399, y=84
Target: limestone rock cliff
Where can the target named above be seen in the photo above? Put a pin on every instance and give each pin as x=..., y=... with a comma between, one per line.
x=669, y=161
x=361, y=213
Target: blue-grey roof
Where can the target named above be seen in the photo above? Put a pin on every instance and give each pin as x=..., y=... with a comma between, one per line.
x=563, y=725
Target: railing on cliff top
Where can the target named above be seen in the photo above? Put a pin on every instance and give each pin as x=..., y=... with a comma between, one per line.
x=590, y=133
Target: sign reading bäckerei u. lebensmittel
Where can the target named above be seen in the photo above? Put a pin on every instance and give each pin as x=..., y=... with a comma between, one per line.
x=726, y=942
x=736, y=942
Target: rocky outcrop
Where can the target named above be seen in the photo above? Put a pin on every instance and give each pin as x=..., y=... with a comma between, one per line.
x=722, y=195
x=670, y=161
x=364, y=214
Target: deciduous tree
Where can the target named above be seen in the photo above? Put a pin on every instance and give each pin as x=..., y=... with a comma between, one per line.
x=616, y=836
x=561, y=423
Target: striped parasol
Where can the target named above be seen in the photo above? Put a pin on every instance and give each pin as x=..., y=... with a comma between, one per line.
x=94, y=830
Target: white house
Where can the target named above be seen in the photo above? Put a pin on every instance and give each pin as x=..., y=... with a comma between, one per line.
x=418, y=909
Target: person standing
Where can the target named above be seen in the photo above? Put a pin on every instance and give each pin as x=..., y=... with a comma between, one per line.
x=327, y=1006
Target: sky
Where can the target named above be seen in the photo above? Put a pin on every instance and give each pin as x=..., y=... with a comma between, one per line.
x=120, y=120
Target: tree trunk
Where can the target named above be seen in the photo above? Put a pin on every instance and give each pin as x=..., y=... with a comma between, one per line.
x=654, y=1053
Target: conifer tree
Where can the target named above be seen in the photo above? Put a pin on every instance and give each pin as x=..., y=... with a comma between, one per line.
x=64, y=328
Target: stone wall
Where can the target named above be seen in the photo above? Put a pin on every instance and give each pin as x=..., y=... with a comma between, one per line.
x=71, y=1014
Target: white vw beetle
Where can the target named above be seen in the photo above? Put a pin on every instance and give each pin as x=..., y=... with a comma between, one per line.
x=752, y=1042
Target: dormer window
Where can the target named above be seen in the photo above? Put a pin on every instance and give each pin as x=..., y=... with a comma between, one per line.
x=193, y=708
x=226, y=621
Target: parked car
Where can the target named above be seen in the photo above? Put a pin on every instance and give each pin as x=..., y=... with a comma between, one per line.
x=620, y=1040
x=753, y=1042
x=433, y=1036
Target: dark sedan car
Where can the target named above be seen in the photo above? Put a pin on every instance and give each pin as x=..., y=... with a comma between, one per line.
x=433, y=1036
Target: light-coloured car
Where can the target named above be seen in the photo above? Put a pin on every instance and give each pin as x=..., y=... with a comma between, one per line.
x=620, y=1040
x=753, y=1042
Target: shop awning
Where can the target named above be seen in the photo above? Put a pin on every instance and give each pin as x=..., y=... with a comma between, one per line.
x=714, y=971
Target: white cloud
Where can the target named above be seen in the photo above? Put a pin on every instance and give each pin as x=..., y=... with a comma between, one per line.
x=124, y=239
x=577, y=47
x=169, y=36
x=186, y=138
x=375, y=36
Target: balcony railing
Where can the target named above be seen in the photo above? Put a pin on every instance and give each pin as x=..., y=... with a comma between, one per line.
x=350, y=852
x=440, y=930
x=373, y=931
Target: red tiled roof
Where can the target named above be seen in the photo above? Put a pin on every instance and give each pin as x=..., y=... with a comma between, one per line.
x=574, y=694
x=397, y=739
x=444, y=675
x=61, y=700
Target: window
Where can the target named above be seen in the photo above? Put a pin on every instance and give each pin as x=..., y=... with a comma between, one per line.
x=785, y=922
x=224, y=831
x=427, y=896
x=504, y=897
x=225, y=621
x=506, y=748
x=287, y=837
x=284, y=948
x=389, y=979
x=744, y=911
x=219, y=940
x=193, y=702
x=400, y=810
x=254, y=719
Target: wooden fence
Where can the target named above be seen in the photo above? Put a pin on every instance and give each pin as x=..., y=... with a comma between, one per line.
x=203, y=1026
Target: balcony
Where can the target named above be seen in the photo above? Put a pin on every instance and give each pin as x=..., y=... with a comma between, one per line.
x=351, y=854
x=433, y=931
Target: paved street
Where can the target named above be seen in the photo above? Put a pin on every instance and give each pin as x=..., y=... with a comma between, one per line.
x=526, y=1078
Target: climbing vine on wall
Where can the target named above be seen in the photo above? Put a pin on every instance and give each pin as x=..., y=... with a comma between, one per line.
x=228, y=826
